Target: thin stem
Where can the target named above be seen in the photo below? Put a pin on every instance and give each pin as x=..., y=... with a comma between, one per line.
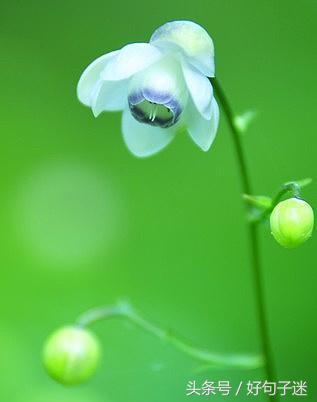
x=126, y=311
x=291, y=188
x=253, y=238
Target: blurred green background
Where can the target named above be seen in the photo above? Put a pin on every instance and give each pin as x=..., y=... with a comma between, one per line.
x=85, y=223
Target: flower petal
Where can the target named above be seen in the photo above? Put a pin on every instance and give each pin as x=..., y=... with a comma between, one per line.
x=142, y=139
x=110, y=95
x=192, y=39
x=90, y=77
x=200, y=90
x=131, y=59
x=202, y=131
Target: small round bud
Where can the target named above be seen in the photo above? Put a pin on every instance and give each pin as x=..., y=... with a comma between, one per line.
x=71, y=355
x=292, y=222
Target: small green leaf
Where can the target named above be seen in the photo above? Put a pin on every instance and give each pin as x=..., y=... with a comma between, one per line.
x=254, y=215
x=243, y=121
x=304, y=182
x=259, y=201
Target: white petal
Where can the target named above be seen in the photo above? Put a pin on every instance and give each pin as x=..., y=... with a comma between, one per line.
x=202, y=131
x=110, y=95
x=142, y=139
x=200, y=89
x=192, y=39
x=90, y=77
x=131, y=59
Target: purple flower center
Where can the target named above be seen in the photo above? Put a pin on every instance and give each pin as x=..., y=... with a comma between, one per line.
x=157, y=109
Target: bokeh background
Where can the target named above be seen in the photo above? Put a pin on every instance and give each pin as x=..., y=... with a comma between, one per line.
x=84, y=223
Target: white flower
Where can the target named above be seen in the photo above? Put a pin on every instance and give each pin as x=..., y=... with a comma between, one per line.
x=161, y=86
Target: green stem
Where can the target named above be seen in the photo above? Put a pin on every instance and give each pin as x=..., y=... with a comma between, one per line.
x=291, y=188
x=126, y=311
x=253, y=238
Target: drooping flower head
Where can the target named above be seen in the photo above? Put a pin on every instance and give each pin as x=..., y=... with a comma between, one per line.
x=161, y=86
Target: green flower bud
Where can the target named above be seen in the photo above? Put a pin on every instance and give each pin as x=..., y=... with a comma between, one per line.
x=71, y=355
x=292, y=222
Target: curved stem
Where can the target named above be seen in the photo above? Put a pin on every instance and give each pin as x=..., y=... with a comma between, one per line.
x=253, y=238
x=292, y=188
x=126, y=311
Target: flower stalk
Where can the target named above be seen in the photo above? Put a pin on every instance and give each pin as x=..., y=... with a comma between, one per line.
x=125, y=310
x=253, y=239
